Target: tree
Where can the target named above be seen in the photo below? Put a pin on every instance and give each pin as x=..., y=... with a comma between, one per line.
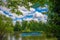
x=56, y=21
x=33, y=26
x=24, y=26
x=17, y=26
x=17, y=30
x=53, y=26
x=6, y=26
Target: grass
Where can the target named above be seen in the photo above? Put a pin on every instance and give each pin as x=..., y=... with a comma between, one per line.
x=37, y=38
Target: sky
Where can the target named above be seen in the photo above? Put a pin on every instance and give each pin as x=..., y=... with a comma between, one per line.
x=34, y=14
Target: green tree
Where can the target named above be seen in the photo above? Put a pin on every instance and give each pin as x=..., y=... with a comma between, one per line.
x=17, y=30
x=6, y=26
x=24, y=26
x=53, y=26
x=56, y=21
x=17, y=26
x=33, y=26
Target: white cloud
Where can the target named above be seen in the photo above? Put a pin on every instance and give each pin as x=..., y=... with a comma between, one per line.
x=14, y=15
x=32, y=9
x=23, y=10
x=38, y=14
x=26, y=12
x=1, y=12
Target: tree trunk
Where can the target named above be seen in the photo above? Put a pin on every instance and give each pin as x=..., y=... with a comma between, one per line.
x=1, y=37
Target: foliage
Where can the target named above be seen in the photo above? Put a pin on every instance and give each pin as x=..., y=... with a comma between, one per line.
x=6, y=26
x=24, y=26
x=51, y=27
x=17, y=27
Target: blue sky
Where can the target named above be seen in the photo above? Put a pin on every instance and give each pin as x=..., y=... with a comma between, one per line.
x=34, y=13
